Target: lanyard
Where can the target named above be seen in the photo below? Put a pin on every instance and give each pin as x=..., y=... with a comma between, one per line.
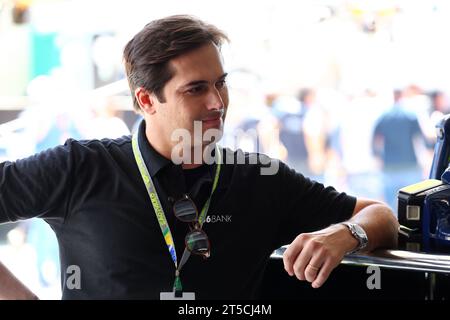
x=156, y=203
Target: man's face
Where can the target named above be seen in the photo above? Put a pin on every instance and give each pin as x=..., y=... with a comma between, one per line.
x=196, y=92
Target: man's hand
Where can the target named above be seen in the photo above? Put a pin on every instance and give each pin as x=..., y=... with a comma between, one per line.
x=312, y=256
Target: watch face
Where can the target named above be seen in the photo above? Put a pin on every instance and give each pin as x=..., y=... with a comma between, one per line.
x=359, y=231
x=361, y=234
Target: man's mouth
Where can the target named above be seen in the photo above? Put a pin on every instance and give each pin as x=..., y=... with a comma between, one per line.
x=213, y=118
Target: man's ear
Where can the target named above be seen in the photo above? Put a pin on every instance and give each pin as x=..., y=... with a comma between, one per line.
x=145, y=100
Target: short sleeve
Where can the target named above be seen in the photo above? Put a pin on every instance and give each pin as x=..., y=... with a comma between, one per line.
x=37, y=186
x=307, y=205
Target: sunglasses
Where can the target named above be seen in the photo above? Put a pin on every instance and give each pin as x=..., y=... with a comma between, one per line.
x=196, y=240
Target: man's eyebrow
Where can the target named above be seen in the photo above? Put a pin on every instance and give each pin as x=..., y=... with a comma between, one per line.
x=223, y=76
x=197, y=82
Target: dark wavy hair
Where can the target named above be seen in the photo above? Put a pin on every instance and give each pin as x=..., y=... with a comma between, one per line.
x=147, y=55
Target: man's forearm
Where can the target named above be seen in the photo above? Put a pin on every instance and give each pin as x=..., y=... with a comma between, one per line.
x=380, y=225
x=11, y=288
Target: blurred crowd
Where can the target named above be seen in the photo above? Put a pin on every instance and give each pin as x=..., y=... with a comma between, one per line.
x=368, y=144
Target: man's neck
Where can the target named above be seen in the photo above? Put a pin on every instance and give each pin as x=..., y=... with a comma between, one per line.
x=165, y=149
x=187, y=166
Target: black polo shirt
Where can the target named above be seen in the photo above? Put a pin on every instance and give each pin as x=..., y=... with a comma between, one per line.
x=92, y=195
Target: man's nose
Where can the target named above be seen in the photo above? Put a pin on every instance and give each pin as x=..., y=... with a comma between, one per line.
x=215, y=101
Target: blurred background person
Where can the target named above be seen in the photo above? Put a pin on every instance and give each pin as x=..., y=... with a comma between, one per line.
x=315, y=132
x=395, y=137
x=439, y=106
x=269, y=130
x=356, y=125
x=290, y=113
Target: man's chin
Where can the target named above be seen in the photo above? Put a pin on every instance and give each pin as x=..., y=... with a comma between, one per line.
x=212, y=135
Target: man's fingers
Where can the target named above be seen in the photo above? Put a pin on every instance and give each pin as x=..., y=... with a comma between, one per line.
x=313, y=256
x=313, y=268
x=323, y=274
x=291, y=254
x=302, y=261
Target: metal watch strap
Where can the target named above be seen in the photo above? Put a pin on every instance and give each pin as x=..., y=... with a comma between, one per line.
x=358, y=232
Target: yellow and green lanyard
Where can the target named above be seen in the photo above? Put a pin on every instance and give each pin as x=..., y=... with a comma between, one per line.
x=151, y=190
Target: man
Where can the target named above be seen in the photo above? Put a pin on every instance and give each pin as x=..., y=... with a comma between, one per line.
x=125, y=213
x=395, y=138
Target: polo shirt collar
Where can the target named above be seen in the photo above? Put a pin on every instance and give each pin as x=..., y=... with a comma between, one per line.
x=153, y=160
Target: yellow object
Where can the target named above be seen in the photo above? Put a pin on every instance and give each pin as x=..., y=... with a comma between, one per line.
x=421, y=186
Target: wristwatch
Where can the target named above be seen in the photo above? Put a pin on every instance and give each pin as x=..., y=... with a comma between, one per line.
x=358, y=232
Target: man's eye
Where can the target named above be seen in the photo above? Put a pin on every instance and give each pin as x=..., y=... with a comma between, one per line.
x=196, y=90
x=221, y=84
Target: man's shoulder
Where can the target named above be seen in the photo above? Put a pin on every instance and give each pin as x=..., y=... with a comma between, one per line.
x=239, y=153
x=106, y=148
x=105, y=143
